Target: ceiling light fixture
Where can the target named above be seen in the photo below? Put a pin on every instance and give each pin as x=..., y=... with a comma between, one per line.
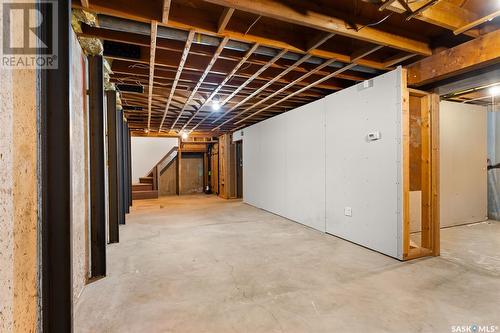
x=494, y=91
x=184, y=135
x=216, y=105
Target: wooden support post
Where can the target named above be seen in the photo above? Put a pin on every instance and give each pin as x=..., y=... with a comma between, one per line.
x=179, y=167
x=405, y=142
x=97, y=189
x=120, y=166
x=129, y=165
x=56, y=277
x=435, y=170
x=113, y=196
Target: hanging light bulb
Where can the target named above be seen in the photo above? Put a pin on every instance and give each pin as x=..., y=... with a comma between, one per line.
x=184, y=135
x=494, y=91
x=215, y=104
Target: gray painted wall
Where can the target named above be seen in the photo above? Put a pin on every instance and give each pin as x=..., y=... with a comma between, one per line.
x=312, y=162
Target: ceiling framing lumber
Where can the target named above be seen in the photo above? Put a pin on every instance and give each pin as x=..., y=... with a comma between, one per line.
x=477, y=53
x=279, y=11
x=237, y=36
x=223, y=83
x=343, y=69
x=303, y=77
x=297, y=92
x=477, y=22
x=318, y=41
x=85, y=3
x=152, y=52
x=224, y=19
x=398, y=58
x=258, y=91
x=166, y=11
x=184, y=56
x=443, y=14
x=202, y=78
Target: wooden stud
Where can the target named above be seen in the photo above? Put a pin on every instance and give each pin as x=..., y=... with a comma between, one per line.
x=435, y=170
x=279, y=11
x=165, y=12
x=277, y=92
x=202, y=78
x=477, y=22
x=152, y=52
x=224, y=19
x=184, y=56
x=226, y=79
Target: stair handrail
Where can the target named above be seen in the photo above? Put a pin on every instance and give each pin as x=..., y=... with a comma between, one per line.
x=154, y=173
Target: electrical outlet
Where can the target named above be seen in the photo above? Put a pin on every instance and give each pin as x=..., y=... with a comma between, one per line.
x=348, y=211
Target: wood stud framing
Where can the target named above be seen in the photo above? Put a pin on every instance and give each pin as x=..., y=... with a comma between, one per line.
x=152, y=52
x=184, y=56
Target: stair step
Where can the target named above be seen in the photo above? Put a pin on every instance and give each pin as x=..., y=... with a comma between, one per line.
x=146, y=180
x=138, y=195
x=142, y=187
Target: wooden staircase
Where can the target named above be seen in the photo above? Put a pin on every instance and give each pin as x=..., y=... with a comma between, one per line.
x=144, y=190
x=147, y=188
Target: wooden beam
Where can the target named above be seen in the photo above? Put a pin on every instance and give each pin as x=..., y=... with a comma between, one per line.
x=299, y=91
x=361, y=53
x=280, y=11
x=398, y=58
x=202, y=78
x=466, y=57
x=443, y=14
x=85, y=3
x=152, y=53
x=320, y=39
x=421, y=9
x=237, y=36
x=226, y=79
x=258, y=91
x=477, y=22
x=224, y=19
x=177, y=75
x=279, y=91
x=166, y=11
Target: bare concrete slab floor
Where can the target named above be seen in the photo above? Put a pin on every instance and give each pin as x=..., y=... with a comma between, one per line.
x=203, y=264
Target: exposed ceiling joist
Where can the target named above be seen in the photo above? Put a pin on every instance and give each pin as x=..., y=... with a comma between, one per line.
x=443, y=14
x=280, y=11
x=276, y=93
x=398, y=58
x=177, y=76
x=318, y=41
x=166, y=11
x=477, y=22
x=202, y=78
x=226, y=79
x=224, y=19
x=152, y=52
x=85, y=3
x=477, y=53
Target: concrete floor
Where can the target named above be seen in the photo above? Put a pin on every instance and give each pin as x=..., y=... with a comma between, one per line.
x=203, y=264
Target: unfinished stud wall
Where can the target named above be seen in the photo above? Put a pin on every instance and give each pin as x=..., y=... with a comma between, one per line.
x=79, y=168
x=18, y=199
x=168, y=180
x=463, y=136
x=312, y=163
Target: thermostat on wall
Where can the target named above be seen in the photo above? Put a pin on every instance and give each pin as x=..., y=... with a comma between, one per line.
x=374, y=136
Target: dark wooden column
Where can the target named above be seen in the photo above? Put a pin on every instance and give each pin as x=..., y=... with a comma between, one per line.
x=129, y=167
x=124, y=146
x=54, y=102
x=112, y=168
x=120, y=166
x=97, y=189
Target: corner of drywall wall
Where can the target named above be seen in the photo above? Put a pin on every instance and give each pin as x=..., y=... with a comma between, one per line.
x=402, y=96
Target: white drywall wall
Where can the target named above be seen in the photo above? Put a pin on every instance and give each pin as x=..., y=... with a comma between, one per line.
x=312, y=162
x=283, y=165
x=364, y=175
x=146, y=152
x=463, y=157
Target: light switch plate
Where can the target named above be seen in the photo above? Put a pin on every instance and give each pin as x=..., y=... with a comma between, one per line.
x=348, y=211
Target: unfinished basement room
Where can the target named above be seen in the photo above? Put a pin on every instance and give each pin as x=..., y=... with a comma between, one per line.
x=249, y=166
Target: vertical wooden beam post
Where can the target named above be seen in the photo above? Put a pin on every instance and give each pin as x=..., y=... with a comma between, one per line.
x=405, y=163
x=120, y=166
x=426, y=205
x=435, y=170
x=114, y=213
x=129, y=164
x=57, y=280
x=97, y=189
